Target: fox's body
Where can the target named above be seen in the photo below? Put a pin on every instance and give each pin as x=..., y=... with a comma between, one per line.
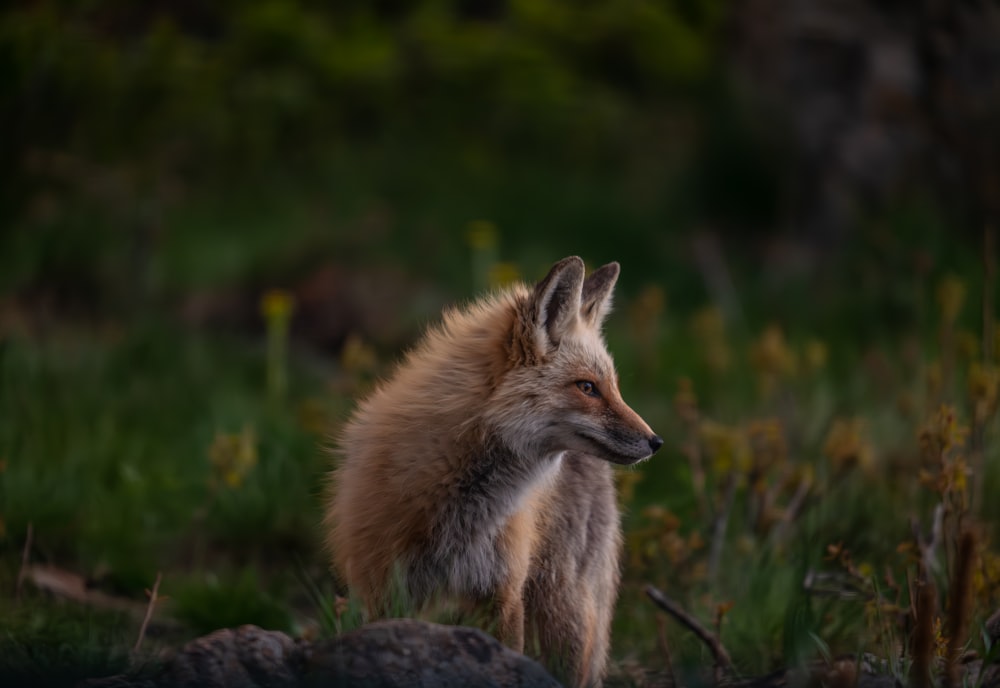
x=480, y=470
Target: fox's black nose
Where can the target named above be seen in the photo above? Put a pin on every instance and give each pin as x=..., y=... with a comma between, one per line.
x=655, y=442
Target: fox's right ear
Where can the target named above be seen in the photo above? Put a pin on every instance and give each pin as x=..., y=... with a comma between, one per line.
x=556, y=301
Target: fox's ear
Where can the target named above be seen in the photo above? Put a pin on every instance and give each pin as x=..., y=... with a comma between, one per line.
x=557, y=300
x=595, y=302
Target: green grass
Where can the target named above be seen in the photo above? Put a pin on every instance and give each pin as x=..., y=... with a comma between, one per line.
x=53, y=643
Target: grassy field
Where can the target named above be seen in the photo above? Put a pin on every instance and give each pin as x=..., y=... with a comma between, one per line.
x=153, y=419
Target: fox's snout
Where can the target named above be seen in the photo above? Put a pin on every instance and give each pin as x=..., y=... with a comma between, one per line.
x=632, y=440
x=653, y=441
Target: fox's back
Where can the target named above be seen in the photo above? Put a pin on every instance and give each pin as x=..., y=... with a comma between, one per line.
x=409, y=449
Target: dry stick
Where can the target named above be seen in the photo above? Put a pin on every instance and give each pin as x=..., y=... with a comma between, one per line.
x=925, y=609
x=661, y=633
x=792, y=511
x=922, y=647
x=25, y=556
x=719, y=673
x=960, y=600
x=149, y=611
x=670, y=607
x=928, y=549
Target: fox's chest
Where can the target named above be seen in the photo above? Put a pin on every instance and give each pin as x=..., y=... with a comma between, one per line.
x=469, y=544
x=463, y=557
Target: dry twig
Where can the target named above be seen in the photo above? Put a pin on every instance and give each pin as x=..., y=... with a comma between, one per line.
x=928, y=548
x=959, y=606
x=149, y=611
x=792, y=511
x=722, y=658
x=922, y=641
x=661, y=634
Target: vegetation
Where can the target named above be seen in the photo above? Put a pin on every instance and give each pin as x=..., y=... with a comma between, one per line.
x=784, y=505
x=222, y=226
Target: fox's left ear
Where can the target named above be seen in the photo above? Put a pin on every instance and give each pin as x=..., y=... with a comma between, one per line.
x=595, y=300
x=556, y=301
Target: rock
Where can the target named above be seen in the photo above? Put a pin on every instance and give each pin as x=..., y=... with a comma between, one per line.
x=247, y=656
x=405, y=652
x=387, y=654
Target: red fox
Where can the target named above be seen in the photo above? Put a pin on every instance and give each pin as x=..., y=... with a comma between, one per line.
x=481, y=469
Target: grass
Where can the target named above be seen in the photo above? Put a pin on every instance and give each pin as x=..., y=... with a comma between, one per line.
x=83, y=643
x=135, y=442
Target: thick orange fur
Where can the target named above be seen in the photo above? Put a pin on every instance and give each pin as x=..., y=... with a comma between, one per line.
x=480, y=469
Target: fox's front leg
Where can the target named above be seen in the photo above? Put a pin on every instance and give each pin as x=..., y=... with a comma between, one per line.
x=514, y=549
x=511, y=622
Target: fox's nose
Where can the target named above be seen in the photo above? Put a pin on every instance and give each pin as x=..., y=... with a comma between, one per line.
x=655, y=442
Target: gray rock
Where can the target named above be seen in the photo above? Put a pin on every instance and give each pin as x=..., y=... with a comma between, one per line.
x=387, y=654
x=247, y=656
x=404, y=652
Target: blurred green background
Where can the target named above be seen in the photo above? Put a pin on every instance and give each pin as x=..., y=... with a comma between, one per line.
x=219, y=224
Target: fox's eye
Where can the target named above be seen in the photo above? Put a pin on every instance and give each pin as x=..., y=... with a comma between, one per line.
x=588, y=388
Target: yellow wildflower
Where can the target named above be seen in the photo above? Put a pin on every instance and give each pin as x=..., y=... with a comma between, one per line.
x=727, y=448
x=942, y=433
x=773, y=359
x=846, y=445
x=233, y=456
x=983, y=385
x=768, y=444
x=277, y=305
x=772, y=354
x=696, y=541
x=357, y=356
x=685, y=401
x=986, y=578
x=708, y=324
x=940, y=639
x=709, y=328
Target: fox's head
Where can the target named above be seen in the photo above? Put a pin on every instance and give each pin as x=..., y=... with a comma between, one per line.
x=561, y=391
